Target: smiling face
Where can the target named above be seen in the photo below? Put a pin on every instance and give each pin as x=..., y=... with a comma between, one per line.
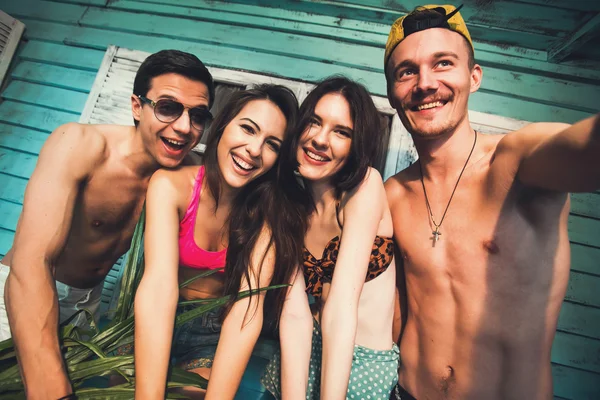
x=169, y=143
x=429, y=81
x=325, y=144
x=250, y=143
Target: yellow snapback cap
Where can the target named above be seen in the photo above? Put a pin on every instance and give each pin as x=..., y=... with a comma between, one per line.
x=448, y=17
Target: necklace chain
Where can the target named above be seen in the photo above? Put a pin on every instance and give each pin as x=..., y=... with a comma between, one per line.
x=437, y=226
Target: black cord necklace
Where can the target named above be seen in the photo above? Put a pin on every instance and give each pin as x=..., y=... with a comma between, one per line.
x=436, y=233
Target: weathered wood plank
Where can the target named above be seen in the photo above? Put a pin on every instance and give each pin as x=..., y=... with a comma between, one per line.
x=574, y=40
x=501, y=25
x=46, y=96
x=100, y=3
x=583, y=289
x=581, y=5
x=585, y=259
x=327, y=50
x=23, y=139
x=486, y=52
x=576, y=351
x=6, y=240
x=221, y=13
x=584, y=230
x=586, y=204
x=518, y=50
x=53, y=75
x=575, y=384
x=17, y=163
x=309, y=70
x=540, y=89
x=508, y=14
x=9, y=215
x=236, y=36
x=27, y=115
x=67, y=13
x=579, y=319
x=60, y=54
x=12, y=188
x=502, y=104
x=225, y=57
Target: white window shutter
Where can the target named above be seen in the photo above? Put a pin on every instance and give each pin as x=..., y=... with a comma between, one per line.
x=109, y=100
x=11, y=31
x=489, y=123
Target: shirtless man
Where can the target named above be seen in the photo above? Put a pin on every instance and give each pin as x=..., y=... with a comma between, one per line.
x=480, y=222
x=81, y=207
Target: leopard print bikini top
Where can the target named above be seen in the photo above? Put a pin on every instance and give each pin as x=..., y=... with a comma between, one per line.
x=319, y=271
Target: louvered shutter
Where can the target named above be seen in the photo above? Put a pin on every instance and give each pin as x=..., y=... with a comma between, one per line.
x=11, y=31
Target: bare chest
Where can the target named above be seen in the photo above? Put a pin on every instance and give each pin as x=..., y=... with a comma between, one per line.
x=108, y=208
x=488, y=241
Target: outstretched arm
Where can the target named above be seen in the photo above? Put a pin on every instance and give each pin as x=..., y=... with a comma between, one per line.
x=295, y=337
x=66, y=159
x=156, y=297
x=362, y=215
x=242, y=326
x=559, y=157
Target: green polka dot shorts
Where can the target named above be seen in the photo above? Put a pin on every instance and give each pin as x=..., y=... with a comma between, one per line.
x=373, y=375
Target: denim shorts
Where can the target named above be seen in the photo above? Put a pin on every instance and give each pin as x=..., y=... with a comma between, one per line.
x=195, y=342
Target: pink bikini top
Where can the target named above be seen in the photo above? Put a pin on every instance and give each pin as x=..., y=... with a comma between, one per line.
x=190, y=254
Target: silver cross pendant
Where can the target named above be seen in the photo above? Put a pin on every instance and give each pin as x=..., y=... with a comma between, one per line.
x=436, y=235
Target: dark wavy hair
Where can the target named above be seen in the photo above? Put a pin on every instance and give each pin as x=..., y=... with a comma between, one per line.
x=367, y=137
x=265, y=203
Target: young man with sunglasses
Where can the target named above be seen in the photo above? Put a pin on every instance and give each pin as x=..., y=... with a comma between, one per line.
x=480, y=222
x=81, y=207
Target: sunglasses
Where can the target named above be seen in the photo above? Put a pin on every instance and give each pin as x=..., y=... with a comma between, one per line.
x=168, y=111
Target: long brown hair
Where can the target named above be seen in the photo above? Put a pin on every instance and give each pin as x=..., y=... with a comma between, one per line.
x=266, y=202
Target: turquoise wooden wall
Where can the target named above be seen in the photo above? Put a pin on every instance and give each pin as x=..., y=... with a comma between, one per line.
x=65, y=42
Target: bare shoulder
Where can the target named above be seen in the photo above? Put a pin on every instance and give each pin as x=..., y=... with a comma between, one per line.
x=398, y=184
x=179, y=179
x=370, y=189
x=73, y=149
x=80, y=137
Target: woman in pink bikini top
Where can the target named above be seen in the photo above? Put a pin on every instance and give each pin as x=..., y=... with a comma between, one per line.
x=194, y=214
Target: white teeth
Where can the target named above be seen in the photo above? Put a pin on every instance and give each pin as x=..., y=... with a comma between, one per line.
x=176, y=143
x=314, y=156
x=429, y=105
x=242, y=163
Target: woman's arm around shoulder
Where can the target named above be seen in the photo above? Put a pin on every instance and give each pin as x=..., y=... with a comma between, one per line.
x=295, y=337
x=156, y=297
x=243, y=324
x=363, y=211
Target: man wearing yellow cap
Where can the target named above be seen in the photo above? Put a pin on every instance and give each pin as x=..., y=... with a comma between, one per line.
x=480, y=222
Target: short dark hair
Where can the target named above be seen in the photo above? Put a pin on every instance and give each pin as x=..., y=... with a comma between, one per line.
x=279, y=95
x=172, y=61
x=367, y=137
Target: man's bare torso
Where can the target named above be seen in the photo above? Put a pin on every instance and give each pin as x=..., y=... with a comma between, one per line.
x=484, y=302
x=105, y=213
